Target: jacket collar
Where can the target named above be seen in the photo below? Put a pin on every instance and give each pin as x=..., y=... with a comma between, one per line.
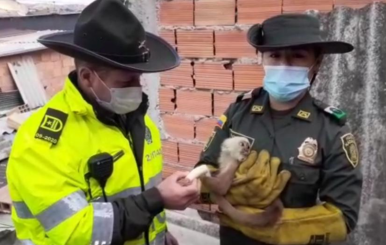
x=76, y=100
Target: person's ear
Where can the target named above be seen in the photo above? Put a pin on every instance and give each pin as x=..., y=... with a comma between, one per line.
x=318, y=63
x=85, y=76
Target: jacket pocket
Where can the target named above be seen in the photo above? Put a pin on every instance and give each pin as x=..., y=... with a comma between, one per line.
x=302, y=188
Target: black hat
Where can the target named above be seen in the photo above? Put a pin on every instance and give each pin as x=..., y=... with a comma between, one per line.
x=293, y=30
x=108, y=33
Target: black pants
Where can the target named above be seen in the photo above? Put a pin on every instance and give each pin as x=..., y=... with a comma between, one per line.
x=229, y=236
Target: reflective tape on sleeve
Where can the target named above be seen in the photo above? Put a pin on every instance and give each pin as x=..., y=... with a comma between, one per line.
x=22, y=210
x=62, y=210
x=102, y=230
x=159, y=239
x=154, y=181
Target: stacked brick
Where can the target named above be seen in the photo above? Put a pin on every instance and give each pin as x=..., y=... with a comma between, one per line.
x=52, y=69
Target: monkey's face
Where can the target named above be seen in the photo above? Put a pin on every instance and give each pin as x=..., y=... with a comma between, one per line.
x=238, y=147
x=245, y=147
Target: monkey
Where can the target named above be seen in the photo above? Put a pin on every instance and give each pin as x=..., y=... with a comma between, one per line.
x=234, y=151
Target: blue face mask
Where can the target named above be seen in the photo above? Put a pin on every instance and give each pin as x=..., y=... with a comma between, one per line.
x=285, y=83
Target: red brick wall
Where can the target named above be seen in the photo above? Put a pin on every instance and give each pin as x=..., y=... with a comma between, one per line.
x=52, y=69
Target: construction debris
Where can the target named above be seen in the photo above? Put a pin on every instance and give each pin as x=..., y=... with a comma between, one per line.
x=5, y=200
x=5, y=148
x=26, y=77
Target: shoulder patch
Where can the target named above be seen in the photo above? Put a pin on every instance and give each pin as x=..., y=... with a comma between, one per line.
x=209, y=142
x=350, y=148
x=51, y=126
x=336, y=113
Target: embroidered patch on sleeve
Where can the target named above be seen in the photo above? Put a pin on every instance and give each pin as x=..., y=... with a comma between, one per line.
x=221, y=121
x=350, y=148
x=51, y=126
x=209, y=142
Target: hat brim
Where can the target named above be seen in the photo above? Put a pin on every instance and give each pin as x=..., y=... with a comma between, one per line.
x=333, y=47
x=163, y=56
x=326, y=47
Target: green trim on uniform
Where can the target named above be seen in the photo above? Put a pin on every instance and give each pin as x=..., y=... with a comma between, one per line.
x=336, y=113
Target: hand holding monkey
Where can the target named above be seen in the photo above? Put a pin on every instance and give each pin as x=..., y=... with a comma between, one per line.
x=234, y=151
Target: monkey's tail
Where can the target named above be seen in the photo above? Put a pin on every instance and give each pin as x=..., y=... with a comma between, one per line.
x=268, y=217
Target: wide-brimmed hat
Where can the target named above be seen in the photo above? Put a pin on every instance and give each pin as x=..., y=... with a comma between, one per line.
x=108, y=33
x=293, y=30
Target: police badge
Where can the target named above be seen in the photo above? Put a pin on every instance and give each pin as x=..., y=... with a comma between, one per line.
x=308, y=150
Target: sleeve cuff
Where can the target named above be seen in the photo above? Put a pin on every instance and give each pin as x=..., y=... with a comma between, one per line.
x=155, y=203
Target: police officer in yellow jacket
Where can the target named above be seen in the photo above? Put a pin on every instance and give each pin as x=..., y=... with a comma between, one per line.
x=86, y=168
x=312, y=140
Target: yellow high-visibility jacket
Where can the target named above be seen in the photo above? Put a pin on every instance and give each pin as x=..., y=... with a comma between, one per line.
x=53, y=200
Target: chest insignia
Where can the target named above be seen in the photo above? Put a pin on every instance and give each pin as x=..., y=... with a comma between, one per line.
x=148, y=137
x=308, y=150
x=304, y=114
x=257, y=109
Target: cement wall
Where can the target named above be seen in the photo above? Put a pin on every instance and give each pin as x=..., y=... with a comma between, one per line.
x=356, y=83
x=147, y=13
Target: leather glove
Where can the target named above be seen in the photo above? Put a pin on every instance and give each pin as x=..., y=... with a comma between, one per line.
x=257, y=182
x=322, y=224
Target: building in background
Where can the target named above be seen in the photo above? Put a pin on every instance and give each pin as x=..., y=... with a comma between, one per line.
x=21, y=24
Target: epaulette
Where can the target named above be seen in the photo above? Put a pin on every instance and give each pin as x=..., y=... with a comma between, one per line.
x=248, y=95
x=51, y=127
x=339, y=115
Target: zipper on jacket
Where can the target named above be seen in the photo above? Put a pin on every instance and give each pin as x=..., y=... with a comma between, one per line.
x=126, y=133
x=140, y=171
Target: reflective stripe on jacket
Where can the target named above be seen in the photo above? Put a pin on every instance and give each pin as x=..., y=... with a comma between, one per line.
x=47, y=168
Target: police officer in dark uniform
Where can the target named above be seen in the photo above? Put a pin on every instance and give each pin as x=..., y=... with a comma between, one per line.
x=311, y=138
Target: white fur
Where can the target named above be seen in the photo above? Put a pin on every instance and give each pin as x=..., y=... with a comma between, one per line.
x=233, y=151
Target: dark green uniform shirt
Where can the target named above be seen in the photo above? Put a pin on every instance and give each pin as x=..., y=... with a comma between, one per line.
x=313, y=142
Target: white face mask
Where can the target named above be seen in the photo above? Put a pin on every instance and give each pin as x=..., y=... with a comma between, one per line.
x=123, y=100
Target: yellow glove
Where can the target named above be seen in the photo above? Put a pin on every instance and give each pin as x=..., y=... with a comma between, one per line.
x=320, y=224
x=257, y=182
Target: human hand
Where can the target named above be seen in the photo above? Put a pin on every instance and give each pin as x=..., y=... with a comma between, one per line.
x=177, y=196
x=258, y=182
x=170, y=239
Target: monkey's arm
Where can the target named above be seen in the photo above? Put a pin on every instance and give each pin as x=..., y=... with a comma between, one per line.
x=220, y=183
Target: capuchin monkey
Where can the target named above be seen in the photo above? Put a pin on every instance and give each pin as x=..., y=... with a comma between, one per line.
x=234, y=151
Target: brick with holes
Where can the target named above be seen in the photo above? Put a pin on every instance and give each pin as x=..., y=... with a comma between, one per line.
x=213, y=75
x=194, y=102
